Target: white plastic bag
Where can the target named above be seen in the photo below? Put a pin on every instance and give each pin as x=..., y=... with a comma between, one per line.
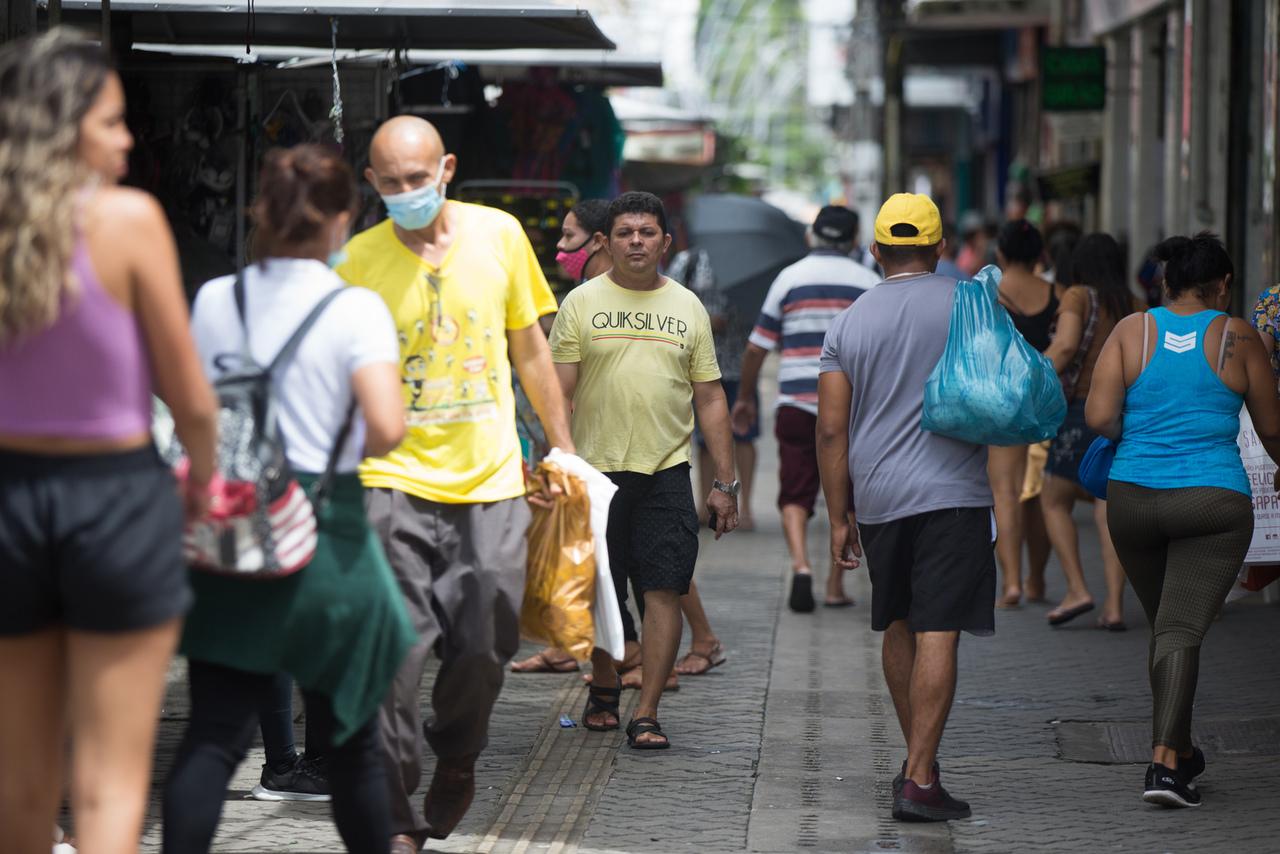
x=607, y=615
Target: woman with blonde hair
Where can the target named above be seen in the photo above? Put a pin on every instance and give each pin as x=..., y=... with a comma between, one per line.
x=93, y=321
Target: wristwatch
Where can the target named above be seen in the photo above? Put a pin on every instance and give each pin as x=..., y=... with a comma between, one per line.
x=731, y=489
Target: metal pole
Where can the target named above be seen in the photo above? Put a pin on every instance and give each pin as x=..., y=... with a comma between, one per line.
x=55, y=13
x=242, y=160
x=892, y=27
x=106, y=25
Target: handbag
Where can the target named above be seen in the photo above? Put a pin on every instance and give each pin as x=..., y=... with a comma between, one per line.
x=1095, y=466
x=261, y=523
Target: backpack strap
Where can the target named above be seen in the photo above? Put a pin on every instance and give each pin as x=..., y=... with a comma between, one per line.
x=320, y=489
x=295, y=340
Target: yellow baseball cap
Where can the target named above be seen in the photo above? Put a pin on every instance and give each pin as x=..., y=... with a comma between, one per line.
x=909, y=209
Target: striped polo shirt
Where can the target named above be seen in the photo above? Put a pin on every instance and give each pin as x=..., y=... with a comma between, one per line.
x=796, y=314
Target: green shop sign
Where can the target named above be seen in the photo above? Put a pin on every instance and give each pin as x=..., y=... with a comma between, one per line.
x=1073, y=79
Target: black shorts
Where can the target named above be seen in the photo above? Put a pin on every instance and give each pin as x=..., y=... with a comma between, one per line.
x=936, y=570
x=91, y=542
x=653, y=531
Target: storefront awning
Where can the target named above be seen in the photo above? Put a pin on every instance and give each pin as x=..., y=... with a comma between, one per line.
x=1106, y=15
x=977, y=14
x=596, y=67
x=362, y=24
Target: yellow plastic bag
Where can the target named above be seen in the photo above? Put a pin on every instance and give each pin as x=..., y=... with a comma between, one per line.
x=560, y=585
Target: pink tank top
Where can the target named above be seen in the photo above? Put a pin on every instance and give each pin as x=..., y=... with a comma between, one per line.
x=85, y=377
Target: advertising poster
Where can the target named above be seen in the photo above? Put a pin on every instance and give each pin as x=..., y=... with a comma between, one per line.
x=1265, y=548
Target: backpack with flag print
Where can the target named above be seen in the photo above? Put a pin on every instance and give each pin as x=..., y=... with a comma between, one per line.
x=261, y=523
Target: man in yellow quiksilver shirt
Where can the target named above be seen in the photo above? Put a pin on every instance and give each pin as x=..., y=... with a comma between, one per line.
x=635, y=355
x=463, y=285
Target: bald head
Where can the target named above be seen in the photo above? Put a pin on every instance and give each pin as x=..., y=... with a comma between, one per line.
x=407, y=153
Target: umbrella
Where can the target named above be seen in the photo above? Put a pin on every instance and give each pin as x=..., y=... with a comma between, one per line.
x=748, y=241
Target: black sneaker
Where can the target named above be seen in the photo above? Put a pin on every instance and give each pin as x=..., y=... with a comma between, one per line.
x=1167, y=788
x=801, y=600
x=902, y=776
x=1192, y=766
x=914, y=803
x=305, y=780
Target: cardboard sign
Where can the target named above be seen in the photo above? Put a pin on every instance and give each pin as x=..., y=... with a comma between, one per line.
x=1265, y=548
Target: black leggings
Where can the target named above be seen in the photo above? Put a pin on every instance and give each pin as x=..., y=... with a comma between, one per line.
x=1182, y=550
x=224, y=702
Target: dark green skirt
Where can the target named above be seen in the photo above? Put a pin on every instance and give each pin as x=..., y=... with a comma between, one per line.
x=338, y=626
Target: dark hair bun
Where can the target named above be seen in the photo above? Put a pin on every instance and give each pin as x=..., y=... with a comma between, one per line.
x=1193, y=263
x=299, y=189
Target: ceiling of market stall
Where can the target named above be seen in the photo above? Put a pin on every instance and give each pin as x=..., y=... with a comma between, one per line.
x=362, y=24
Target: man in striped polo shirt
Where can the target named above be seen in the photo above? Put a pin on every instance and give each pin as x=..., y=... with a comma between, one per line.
x=801, y=304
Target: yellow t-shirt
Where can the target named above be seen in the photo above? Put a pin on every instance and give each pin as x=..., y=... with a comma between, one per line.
x=638, y=355
x=461, y=446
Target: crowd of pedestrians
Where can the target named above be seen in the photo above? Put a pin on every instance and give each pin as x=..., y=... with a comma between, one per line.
x=394, y=356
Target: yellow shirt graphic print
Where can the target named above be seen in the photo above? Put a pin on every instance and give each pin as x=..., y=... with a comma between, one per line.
x=452, y=323
x=464, y=386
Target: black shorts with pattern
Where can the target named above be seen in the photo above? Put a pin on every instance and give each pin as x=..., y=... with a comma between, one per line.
x=653, y=530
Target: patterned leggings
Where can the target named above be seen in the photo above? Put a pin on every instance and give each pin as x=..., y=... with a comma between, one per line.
x=1182, y=550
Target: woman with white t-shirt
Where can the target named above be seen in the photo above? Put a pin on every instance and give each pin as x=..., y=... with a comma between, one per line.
x=339, y=626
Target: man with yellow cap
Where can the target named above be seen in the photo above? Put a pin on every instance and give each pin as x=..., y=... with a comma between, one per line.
x=922, y=501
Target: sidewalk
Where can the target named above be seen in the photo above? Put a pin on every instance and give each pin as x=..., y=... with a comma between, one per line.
x=792, y=744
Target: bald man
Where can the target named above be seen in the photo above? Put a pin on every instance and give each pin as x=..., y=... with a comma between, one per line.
x=449, y=503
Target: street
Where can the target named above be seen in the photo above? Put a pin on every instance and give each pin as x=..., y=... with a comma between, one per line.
x=792, y=744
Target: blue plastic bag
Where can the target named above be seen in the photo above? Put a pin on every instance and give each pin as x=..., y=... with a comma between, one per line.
x=1095, y=466
x=991, y=387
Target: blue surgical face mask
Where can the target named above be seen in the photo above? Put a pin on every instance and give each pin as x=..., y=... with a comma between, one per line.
x=337, y=258
x=417, y=208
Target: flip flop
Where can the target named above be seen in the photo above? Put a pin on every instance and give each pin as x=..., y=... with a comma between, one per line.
x=1006, y=602
x=801, y=598
x=843, y=603
x=713, y=660
x=540, y=662
x=1112, y=626
x=1070, y=614
x=634, y=678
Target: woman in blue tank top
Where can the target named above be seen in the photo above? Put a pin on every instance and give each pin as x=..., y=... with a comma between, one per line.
x=1168, y=386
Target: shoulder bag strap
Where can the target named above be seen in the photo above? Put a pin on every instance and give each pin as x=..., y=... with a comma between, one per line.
x=1071, y=376
x=295, y=340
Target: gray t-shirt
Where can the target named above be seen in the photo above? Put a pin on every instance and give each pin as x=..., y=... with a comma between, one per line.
x=887, y=344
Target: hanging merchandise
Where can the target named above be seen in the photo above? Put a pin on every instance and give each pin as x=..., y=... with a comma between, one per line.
x=335, y=113
x=594, y=145
x=538, y=115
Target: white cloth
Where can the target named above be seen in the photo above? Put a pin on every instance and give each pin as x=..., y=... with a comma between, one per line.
x=314, y=389
x=606, y=614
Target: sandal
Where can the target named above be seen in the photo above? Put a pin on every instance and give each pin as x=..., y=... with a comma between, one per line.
x=642, y=726
x=602, y=701
x=695, y=663
x=542, y=662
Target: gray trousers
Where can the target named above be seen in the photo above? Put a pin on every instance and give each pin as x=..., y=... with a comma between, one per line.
x=461, y=569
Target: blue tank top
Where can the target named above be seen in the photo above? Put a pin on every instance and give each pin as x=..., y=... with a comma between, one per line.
x=1180, y=419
